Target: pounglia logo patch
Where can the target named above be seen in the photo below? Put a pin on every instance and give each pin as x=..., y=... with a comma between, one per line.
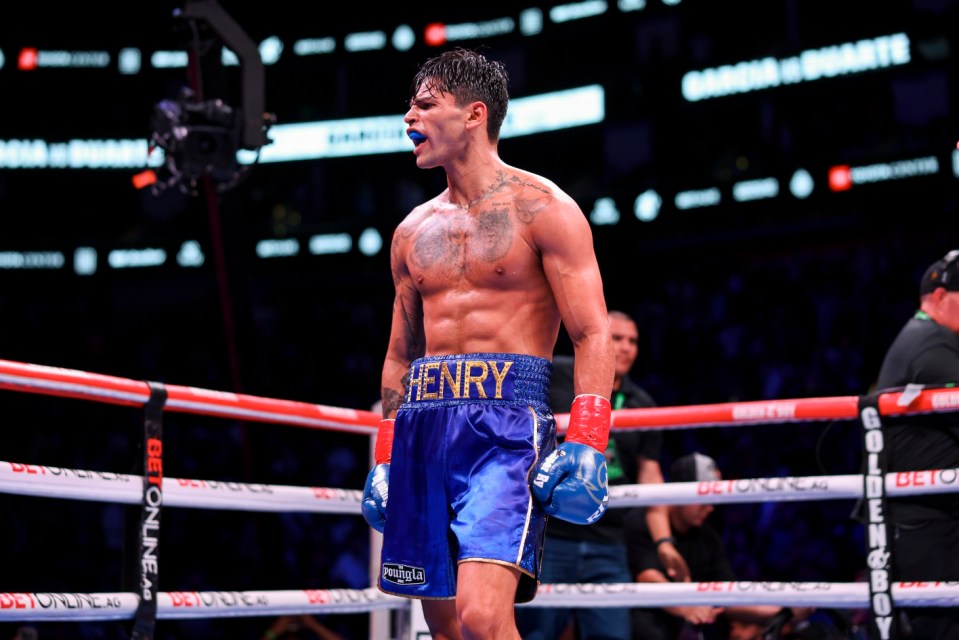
x=403, y=574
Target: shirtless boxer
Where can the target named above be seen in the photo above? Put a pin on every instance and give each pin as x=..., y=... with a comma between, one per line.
x=484, y=274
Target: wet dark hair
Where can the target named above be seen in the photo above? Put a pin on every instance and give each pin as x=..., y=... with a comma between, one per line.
x=468, y=76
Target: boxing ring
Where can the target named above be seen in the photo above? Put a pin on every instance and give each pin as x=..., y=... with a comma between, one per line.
x=392, y=617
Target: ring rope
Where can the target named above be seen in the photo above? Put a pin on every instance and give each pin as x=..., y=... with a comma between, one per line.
x=79, y=484
x=843, y=595
x=70, y=383
x=46, y=481
x=179, y=605
x=232, y=604
x=79, y=384
x=759, y=412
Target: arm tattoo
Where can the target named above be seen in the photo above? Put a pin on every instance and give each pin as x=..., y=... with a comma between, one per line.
x=392, y=399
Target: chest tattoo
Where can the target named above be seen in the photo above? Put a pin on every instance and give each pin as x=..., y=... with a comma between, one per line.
x=453, y=243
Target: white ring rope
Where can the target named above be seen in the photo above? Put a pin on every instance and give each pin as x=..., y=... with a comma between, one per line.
x=781, y=489
x=70, y=389
x=173, y=605
x=45, y=481
x=839, y=595
x=78, y=484
x=232, y=604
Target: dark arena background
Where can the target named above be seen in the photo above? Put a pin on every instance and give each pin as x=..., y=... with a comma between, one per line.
x=766, y=181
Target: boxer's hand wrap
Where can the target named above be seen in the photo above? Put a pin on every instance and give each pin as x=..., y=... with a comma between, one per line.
x=589, y=420
x=383, y=450
x=376, y=491
x=571, y=482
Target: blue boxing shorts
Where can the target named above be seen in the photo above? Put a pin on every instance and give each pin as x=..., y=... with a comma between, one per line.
x=465, y=443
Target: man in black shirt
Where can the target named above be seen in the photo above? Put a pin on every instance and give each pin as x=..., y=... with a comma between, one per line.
x=702, y=547
x=596, y=553
x=926, y=527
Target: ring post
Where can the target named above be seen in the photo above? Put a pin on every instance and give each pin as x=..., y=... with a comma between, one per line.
x=144, y=621
x=878, y=559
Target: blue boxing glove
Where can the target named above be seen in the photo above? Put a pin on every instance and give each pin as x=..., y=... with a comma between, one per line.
x=571, y=482
x=375, y=494
x=376, y=491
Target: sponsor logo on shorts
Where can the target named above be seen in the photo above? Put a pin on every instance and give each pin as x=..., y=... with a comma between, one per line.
x=403, y=574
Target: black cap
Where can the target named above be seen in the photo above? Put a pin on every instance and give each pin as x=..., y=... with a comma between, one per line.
x=694, y=467
x=941, y=273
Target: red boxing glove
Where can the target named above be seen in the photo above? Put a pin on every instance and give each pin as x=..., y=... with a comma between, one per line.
x=383, y=451
x=589, y=420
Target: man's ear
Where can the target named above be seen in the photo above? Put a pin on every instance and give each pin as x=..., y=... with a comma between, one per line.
x=476, y=116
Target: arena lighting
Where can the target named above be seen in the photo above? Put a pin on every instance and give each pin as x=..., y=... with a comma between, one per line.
x=270, y=50
x=370, y=242
x=85, y=261
x=839, y=178
x=647, y=205
x=136, y=258
x=329, y=243
x=351, y=137
x=314, y=46
x=801, y=184
x=31, y=260
x=129, y=61
x=190, y=254
x=365, y=41
x=76, y=154
x=438, y=33
x=577, y=10
x=387, y=134
x=696, y=198
x=403, y=38
x=31, y=58
x=760, y=189
x=604, y=212
x=277, y=248
x=169, y=59
x=434, y=34
x=27, y=60
x=844, y=177
x=531, y=22
x=810, y=65
x=632, y=5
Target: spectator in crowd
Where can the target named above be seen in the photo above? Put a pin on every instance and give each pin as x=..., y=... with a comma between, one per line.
x=596, y=553
x=702, y=547
x=926, y=527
